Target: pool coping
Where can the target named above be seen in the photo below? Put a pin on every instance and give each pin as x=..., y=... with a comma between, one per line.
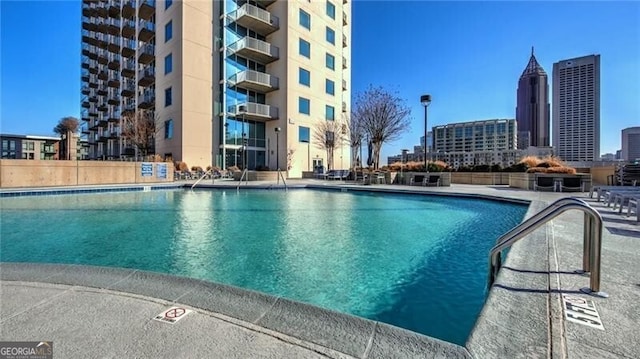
x=289, y=317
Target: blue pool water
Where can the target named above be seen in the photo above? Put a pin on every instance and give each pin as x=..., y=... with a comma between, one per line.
x=418, y=262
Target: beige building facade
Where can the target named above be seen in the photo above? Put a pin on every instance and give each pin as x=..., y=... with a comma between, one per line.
x=231, y=83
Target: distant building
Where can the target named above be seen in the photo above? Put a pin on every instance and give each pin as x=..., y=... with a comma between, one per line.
x=429, y=141
x=630, y=144
x=532, y=110
x=608, y=157
x=488, y=135
x=576, y=108
x=28, y=147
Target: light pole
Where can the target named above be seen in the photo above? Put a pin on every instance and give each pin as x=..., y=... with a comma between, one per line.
x=404, y=156
x=425, y=100
x=278, y=129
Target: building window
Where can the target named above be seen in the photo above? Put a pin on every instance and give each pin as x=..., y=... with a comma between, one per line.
x=330, y=61
x=304, y=105
x=331, y=36
x=305, y=49
x=167, y=3
x=304, y=77
x=304, y=134
x=168, y=31
x=168, y=129
x=305, y=19
x=331, y=10
x=330, y=113
x=167, y=97
x=168, y=64
x=330, y=87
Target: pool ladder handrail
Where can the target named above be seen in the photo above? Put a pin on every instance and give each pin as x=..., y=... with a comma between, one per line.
x=244, y=172
x=592, y=240
x=280, y=175
x=203, y=176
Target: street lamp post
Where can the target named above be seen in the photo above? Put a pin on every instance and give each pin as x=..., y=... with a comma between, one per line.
x=278, y=129
x=425, y=100
x=402, y=160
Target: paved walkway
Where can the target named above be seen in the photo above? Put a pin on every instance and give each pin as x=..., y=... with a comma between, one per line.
x=108, y=312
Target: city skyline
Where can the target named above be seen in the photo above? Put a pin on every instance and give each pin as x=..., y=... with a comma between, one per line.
x=470, y=69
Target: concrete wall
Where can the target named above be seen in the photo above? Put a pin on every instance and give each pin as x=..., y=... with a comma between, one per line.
x=526, y=180
x=26, y=173
x=482, y=178
x=599, y=174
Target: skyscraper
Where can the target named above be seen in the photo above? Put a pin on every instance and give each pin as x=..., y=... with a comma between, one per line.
x=228, y=83
x=631, y=144
x=576, y=108
x=532, y=110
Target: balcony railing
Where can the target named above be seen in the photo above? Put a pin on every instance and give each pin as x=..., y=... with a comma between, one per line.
x=254, y=111
x=256, y=19
x=254, y=80
x=344, y=107
x=255, y=49
x=147, y=99
x=128, y=88
x=129, y=68
x=344, y=85
x=344, y=62
x=344, y=19
x=148, y=76
x=146, y=53
x=344, y=40
x=146, y=30
x=128, y=27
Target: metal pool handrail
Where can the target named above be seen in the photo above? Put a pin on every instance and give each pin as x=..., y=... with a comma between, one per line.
x=203, y=176
x=592, y=239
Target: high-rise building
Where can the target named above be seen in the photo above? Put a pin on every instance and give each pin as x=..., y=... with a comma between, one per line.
x=532, y=109
x=487, y=135
x=576, y=108
x=631, y=144
x=228, y=83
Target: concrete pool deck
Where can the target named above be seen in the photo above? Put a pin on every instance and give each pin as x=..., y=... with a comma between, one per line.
x=110, y=310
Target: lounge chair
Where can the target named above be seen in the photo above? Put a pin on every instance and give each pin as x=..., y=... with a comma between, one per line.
x=544, y=182
x=571, y=184
x=417, y=179
x=431, y=181
x=633, y=205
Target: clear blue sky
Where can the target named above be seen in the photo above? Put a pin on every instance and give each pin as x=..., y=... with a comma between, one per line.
x=467, y=55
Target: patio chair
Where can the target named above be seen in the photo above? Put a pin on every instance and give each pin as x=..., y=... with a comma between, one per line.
x=571, y=184
x=417, y=179
x=544, y=182
x=633, y=206
x=431, y=181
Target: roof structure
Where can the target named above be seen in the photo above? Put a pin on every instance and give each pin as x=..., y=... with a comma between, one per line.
x=533, y=67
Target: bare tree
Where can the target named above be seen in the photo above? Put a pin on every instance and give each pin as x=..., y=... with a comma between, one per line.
x=329, y=135
x=383, y=117
x=67, y=127
x=139, y=128
x=356, y=135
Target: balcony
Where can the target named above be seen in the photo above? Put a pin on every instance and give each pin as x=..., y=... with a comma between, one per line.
x=102, y=90
x=255, y=49
x=93, y=98
x=128, y=107
x=103, y=57
x=114, y=81
x=344, y=1
x=147, y=77
x=147, y=100
x=344, y=19
x=128, y=8
x=87, y=49
x=128, y=48
x=344, y=85
x=146, y=54
x=344, y=63
x=344, y=107
x=128, y=28
x=128, y=88
x=256, y=19
x=147, y=30
x=88, y=23
x=254, y=80
x=114, y=62
x=129, y=69
x=92, y=110
x=254, y=111
x=113, y=44
x=85, y=102
x=147, y=8
x=103, y=107
x=89, y=8
x=84, y=75
x=113, y=98
x=114, y=115
x=344, y=40
x=85, y=90
x=103, y=75
x=114, y=8
x=265, y=3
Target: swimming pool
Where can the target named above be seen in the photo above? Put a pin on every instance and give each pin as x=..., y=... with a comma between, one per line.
x=418, y=262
